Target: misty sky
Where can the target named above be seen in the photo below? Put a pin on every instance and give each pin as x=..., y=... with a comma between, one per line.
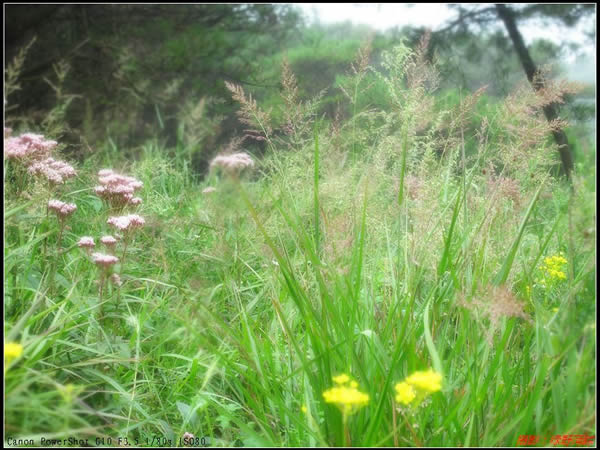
x=382, y=16
x=387, y=15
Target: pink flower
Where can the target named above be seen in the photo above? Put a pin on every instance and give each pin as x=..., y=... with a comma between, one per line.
x=104, y=260
x=54, y=170
x=86, y=241
x=120, y=222
x=126, y=223
x=109, y=241
x=208, y=190
x=136, y=220
x=117, y=189
x=105, y=172
x=62, y=209
x=28, y=146
x=233, y=163
x=188, y=439
x=37, y=140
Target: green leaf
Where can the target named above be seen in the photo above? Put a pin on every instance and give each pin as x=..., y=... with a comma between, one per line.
x=446, y=255
x=188, y=415
x=435, y=357
x=502, y=275
x=316, y=188
x=15, y=210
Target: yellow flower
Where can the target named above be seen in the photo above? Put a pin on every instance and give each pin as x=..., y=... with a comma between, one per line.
x=428, y=381
x=553, y=268
x=417, y=386
x=405, y=393
x=555, y=309
x=303, y=409
x=347, y=398
x=12, y=350
x=69, y=392
x=341, y=379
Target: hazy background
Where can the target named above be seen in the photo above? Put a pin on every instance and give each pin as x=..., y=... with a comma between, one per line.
x=579, y=50
x=99, y=75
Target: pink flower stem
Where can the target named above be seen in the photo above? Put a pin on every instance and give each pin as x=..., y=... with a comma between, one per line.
x=102, y=278
x=47, y=214
x=118, y=296
x=58, y=242
x=125, y=244
x=60, y=233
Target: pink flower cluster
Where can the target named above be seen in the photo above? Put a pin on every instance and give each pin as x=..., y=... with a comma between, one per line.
x=28, y=146
x=117, y=189
x=126, y=223
x=33, y=150
x=109, y=241
x=62, y=209
x=233, y=163
x=104, y=260
x=54, y=170
x=87, y=242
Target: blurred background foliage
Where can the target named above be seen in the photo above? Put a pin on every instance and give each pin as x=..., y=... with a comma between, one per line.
x=121, y=75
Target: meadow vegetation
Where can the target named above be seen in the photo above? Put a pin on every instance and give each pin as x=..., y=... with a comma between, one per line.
x=412, y=272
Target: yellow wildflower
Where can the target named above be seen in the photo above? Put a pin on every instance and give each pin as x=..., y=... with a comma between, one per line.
x=341, y=379
x=429, y=381
x=553, y=269
x=346, y=397
x=12, y=350
x=405, y=393
x=69, y=392
x=417, y=386
x=303, y=409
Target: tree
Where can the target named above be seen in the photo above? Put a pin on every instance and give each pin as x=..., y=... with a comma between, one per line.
x=135, y=66
x=567, y=14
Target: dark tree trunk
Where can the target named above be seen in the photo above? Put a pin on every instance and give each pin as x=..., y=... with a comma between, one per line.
x=508, y=17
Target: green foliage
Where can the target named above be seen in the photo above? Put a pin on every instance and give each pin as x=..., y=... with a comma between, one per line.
x=128, y=61
x=135, y=70
x=404, y=235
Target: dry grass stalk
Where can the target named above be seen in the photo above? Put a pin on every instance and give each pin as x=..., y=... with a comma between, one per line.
x=506, y=187
x=250, y=114
x=524, y=137
x=495, y=303
x=421, y=72
x=339, y=240
x=361, y=62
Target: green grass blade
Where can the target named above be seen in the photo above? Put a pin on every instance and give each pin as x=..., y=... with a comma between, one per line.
x=435, y=357
x=316, y=189
x=502, y=275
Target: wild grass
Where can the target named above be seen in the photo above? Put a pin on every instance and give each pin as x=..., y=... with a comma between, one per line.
x=238, y=308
